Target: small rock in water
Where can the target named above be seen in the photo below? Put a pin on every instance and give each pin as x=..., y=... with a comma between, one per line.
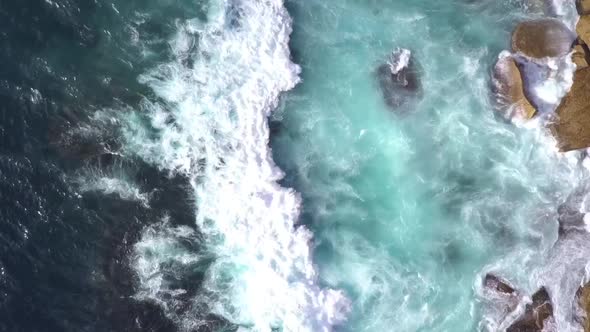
x=398, y=79
x=509, y=89
x=542, y=38
x=497, y=284
x=535, y=315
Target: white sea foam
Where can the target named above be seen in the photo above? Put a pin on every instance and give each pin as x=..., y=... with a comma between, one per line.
x=547, y=80
x=399, y=59
x=124, y=188
x=212, y=127
x=112, y=180
x=564, y=10
x=164, y=254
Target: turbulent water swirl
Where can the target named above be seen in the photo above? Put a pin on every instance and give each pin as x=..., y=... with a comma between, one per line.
x=211, y=125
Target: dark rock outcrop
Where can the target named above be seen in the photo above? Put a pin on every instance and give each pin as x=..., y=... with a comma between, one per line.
x=542, y=38
x=535, y=315
x=498, y=285
x=399, y=79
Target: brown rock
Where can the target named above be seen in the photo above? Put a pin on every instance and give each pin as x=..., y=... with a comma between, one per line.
x=508, y=87
x=572, y=126
x=583, y=7
x=583, y=29
x=499, y=285
x=583, y=297
x=579, y=57
x=542, y=38
x=535, y=314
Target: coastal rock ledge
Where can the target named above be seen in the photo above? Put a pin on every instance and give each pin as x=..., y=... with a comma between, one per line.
x=572, y=124
x=536, y=314
x=583, y=297
x=531, y=40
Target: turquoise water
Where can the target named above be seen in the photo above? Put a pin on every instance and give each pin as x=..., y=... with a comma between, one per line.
x=384, y=220
x=408, y=208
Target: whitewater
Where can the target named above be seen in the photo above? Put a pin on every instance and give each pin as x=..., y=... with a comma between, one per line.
x=320, y=207
x=212, y=126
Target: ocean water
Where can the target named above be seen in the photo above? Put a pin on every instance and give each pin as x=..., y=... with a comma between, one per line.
x=233, y=165
x=409, y=208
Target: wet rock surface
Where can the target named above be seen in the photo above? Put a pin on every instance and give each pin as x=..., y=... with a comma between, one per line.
x=583, y=29
x=572, y=126
x=542, y=38
x=583, y=7
x=535, y=315
x=508, y=88
x=498, y=284
x=583, y=300
x=579, y=57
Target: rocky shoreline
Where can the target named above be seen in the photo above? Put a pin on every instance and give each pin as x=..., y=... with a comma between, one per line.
x=533, y=42
x=536, y=43
x=572, y=125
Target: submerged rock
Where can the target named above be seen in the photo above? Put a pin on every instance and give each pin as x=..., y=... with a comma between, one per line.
x=497, y=284
x=535, y=314
x=509, y=89
x=542, y=38
x=398, y=79
x=572, y=125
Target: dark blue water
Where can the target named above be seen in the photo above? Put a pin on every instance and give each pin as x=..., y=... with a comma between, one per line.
x=63, y=252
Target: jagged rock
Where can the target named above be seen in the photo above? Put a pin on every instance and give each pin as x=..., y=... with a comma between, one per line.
x=572, y=126
x=570, y=220
x=535, y=314
x=579, y=57
x=497, y=284
x=583, y=29
x=583, y=299
x=399, y=79
x=542, y=38
x=509, y=89
x=583, y=7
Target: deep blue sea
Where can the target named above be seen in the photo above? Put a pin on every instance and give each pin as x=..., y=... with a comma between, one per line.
x=246, y=165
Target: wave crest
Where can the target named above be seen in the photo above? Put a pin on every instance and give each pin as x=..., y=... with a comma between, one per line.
x=211, y=124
